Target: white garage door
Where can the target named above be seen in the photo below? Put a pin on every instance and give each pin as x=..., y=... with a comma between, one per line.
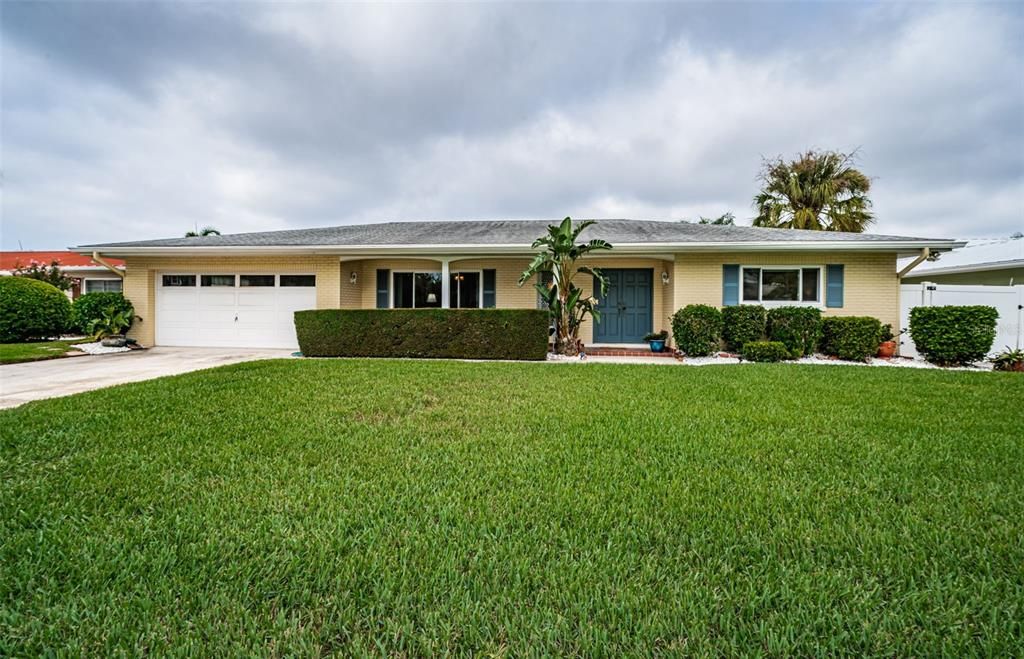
x=231, y=310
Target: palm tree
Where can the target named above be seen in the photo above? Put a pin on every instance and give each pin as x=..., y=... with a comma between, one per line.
x=205, y=231
x=820, y=191
x=565, y=300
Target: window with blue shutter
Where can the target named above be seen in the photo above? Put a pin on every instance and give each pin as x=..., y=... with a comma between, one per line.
x=490, y=289
x=382, y=288
x=730, y=285
x=834, y=285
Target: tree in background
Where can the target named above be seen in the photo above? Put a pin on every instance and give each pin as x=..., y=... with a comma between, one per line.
x=725, y=219
x=565, y=300
x=205, y=231
x=51, y=274
x=820, y=191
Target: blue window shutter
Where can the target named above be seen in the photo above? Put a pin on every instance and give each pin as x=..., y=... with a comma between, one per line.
x=834, y=286
x=730, y=285
x=490, y=289
x=382, y=288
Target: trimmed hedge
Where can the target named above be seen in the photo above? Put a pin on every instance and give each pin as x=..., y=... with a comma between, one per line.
x=851, y=337
x=798, y=328
x=953, y=335
x=697, y=329
x=31, y=309
x=91, y=306
x=428, y=333
x=765, y=351
x=742, y=324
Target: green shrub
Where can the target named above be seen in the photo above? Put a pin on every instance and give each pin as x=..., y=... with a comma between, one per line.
x=851, y=337
x=92, y=307
x=742, y=324
x=31, y=309
x=798, y=328
x=953, y=335
x=697, y=329
x=765, y=351
x=431, y=333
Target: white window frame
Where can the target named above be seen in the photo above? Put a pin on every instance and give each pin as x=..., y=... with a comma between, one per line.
x=86, y=280
x=820, y=302
x=479, y=289
x=391, y=288
x=238, y=279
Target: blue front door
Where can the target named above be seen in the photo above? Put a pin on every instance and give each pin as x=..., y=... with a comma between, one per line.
x=626, y=309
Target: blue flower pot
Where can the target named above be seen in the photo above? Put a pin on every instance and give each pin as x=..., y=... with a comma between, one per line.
x=657, y=345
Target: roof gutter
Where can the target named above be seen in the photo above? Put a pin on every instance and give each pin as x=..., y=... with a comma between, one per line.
x=925, y=252
x=513, y=248
x=106, y=264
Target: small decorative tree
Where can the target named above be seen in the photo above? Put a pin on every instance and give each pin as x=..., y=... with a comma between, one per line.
x=51, y=274
x=565, y=300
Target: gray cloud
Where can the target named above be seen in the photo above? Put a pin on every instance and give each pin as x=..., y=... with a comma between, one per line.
x=136, y=121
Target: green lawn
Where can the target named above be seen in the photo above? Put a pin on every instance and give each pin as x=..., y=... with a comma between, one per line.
x=312, y=507
x=13, y=353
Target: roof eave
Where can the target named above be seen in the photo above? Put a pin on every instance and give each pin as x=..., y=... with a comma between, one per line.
x=973, y=267
x=907, y=247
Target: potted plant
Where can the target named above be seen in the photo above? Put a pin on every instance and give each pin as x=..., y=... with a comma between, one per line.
x=657, y=340
x=1009, y=360
x=110, y=327
x=887, y=346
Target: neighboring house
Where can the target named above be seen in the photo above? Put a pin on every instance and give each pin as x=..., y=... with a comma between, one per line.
x=997, y=262
x=89, y=275
x=240, y=290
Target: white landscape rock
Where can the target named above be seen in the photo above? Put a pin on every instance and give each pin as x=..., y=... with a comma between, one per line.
x=98, y=348
x=814, y=360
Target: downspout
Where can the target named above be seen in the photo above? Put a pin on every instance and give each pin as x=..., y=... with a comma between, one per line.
x=106, y=264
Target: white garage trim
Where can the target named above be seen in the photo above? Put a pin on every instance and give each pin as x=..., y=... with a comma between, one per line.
x=229, y=316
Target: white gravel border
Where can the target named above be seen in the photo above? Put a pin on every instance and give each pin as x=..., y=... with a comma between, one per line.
x=816, y=360
x=98, y=348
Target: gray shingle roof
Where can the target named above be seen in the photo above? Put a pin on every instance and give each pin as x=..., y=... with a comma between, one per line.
x=503, y=232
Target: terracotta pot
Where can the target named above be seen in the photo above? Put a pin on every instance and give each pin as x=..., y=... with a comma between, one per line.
x=886, y=349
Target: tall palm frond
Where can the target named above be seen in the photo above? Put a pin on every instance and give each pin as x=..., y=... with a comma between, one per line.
x=819, y=191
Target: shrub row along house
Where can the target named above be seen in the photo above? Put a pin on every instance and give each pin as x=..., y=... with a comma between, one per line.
x=242, y=290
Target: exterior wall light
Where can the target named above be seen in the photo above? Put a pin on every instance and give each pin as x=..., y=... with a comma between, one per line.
x=353, y=278
x=664, y=277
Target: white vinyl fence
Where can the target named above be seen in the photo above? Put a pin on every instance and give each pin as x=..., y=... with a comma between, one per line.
x=1007, y=299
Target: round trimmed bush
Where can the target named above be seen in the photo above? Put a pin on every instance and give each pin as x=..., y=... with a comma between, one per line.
x=31, y=309
x=851, y=337
x=953, y=335
x=742, y=324
x=92, y=306
x=765, y=351
x=697, y=329
x=798, y=328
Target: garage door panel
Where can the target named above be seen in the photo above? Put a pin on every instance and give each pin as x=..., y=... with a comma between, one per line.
x=261, y=299
x=218, y=299
x=256, y=317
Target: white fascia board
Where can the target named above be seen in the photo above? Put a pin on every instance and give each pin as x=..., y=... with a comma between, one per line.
x=909, y=247
x=973, y=267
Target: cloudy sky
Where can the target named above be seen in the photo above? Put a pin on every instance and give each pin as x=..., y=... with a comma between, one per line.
x=133, y=121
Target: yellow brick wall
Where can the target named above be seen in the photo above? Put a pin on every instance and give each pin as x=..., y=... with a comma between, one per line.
x=870, y=284
x=507, y=271
x=140, y=279
x=871, y=287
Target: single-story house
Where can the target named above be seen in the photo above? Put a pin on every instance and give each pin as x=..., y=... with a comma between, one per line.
x=90, y=275
x=995, y=262
x=241, y=290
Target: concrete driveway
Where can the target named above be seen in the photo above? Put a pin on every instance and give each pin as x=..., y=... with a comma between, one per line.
x=21, y=383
